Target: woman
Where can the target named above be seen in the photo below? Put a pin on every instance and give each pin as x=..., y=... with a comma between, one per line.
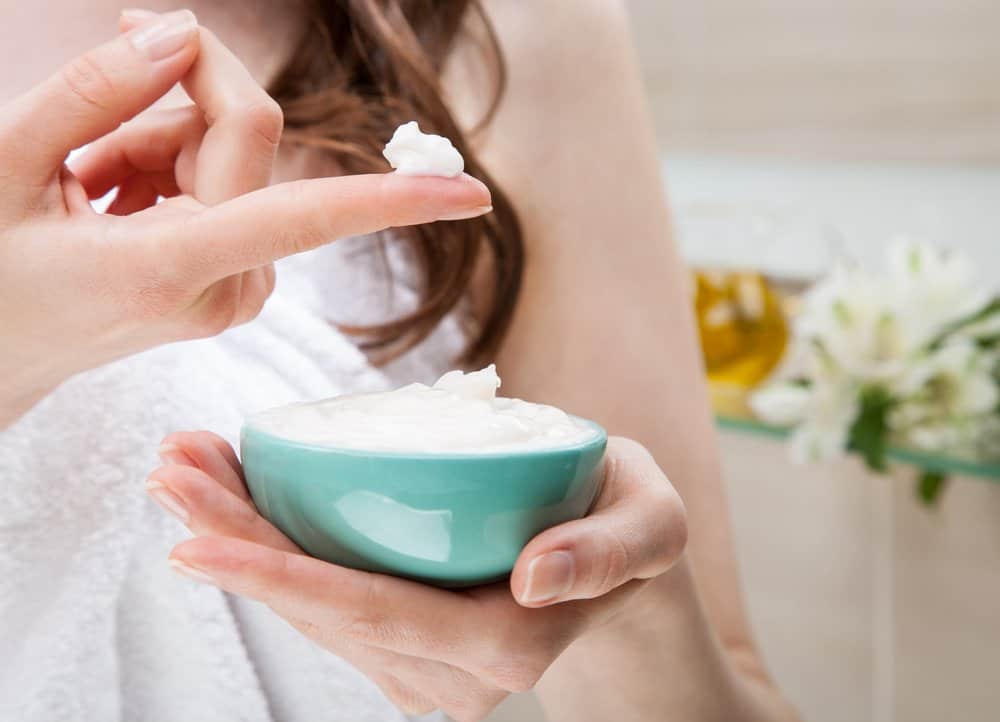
x=610, y=616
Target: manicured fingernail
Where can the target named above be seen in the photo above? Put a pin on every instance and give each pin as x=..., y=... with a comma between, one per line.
x=549, y=577
x=168, y=500
x=172, y=454
x=468, y=213
x=164, y=35
x=189, y=571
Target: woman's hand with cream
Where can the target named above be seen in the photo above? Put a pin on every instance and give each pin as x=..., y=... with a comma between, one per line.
x=427, y=648
x=79, y=288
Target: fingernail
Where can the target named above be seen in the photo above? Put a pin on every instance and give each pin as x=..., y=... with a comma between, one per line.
x=168, y=500
x=189, y=571
x=166, y=35
x=172, y=454
x=468, y=213
x=549, y=577
x=137, y=15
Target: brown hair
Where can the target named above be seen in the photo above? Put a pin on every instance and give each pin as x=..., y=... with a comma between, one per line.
x=362, y=68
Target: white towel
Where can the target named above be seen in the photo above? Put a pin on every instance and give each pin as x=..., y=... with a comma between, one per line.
x=93, y=625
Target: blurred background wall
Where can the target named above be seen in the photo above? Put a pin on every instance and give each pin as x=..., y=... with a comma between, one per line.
x=866, y=118
x=853, y=79
x=794, y=132
x=809, y=130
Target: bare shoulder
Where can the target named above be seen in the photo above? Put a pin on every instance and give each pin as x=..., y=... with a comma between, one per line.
x=559, y=55
x=574, y=93
x=560, y=28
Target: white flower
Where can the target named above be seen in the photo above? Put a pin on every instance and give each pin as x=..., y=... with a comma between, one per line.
x=850, y=319
x=872, y=325
x=823, y=433
x=933, y=288
x=945, y=397
x=892, y=334
x=781, y=404
x=823, y=413
x=983, y=328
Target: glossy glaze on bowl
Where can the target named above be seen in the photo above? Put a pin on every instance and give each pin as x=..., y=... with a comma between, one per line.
x=449, y=519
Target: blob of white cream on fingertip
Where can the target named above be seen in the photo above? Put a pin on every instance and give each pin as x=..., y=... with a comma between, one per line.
x=412, y=152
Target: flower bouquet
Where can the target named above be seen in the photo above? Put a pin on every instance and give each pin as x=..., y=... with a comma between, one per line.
x=908, y=357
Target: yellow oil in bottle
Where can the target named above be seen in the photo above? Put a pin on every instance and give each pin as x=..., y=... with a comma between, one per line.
x=744, y=331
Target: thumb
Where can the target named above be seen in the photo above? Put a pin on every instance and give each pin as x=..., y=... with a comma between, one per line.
x=96, y=92
x=637, y=530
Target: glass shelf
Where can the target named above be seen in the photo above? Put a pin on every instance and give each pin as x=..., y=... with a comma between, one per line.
x=983, y=469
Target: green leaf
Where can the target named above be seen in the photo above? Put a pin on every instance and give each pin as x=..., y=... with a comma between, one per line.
x=869, y=433
x=986, y=311
x=929, y=487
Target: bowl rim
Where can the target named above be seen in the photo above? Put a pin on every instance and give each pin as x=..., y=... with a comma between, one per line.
x=600, y=439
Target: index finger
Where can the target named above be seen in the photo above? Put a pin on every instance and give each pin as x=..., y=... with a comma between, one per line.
x=244, y=122
x=260, y=227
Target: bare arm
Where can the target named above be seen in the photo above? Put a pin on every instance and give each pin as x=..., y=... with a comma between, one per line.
x=603, y=329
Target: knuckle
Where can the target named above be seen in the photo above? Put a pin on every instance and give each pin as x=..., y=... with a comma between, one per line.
x=218, y=312
x=87, y=79
x=284, y=573
x=269, y=281
x=216, y=319
x=371, y=626
x=266, y=120
x=153, y=297
x=250, y=310
x=311, y=630
x=154, y=290
x=405, y=698
x=304, y=236
x=257, y=305
x=372, y=629
x=515, y=673
x=665, y=519
x=630, y=448
x=256, y=296
x=261, y=121
x=674, y=527
x=616, y=562
x=247, y=517
x=470, y=705
x=190, y=484
x=516, y=652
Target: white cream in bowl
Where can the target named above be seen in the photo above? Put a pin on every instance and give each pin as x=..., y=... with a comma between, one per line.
x=460, y=413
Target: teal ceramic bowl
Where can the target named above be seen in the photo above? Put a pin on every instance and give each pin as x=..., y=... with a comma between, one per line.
x=450, y=519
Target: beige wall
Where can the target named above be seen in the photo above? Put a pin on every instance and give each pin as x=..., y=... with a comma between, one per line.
x=883, y=79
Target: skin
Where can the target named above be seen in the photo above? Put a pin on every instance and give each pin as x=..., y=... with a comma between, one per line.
x=653, y=594
x=191, y=266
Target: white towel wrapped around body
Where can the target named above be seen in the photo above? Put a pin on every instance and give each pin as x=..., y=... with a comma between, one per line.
x=93, y=624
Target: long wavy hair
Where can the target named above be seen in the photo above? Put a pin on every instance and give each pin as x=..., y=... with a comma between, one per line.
x=363, y=67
